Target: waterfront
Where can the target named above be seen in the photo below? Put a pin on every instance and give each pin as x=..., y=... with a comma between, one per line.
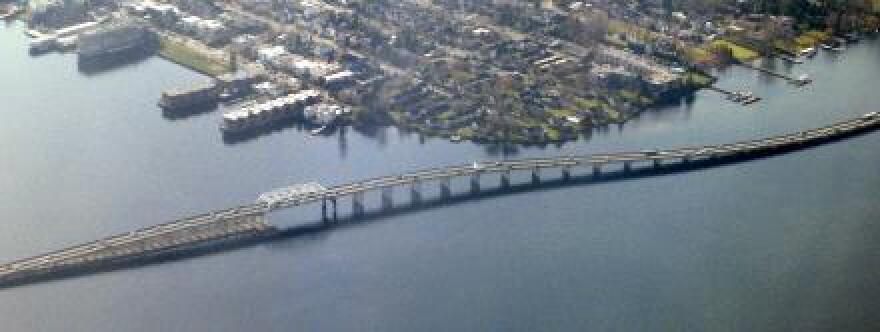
x=767, y=245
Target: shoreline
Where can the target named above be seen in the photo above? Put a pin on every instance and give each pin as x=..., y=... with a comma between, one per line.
x=186, y=56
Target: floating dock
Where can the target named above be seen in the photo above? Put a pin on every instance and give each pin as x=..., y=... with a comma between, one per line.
x=744, y=98
x=201, y=93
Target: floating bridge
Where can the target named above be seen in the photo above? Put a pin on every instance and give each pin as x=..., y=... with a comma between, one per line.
x=249, y=221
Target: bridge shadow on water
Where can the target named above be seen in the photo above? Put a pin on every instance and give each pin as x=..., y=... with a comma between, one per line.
x=317, y=227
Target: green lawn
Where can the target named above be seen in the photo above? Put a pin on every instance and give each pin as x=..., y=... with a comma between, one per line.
x=185, y=55
x=810, y=39
x=699, y=79
x=562, y=112
x=740, y=52
x=699, y=54
x=584, y=103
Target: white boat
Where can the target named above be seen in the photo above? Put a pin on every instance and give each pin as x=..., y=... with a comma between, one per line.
x=13, y=10
x=808, y=52
x=256, y=115
x=804, y=79
x=42, y=44
x=320, y=130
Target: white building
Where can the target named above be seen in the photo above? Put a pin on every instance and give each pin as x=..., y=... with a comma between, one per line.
x=269, y=55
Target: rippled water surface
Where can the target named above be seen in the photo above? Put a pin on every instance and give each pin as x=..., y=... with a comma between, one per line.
x=778, y=244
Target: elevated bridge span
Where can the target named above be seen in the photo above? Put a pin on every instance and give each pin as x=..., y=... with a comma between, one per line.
x=249, y=220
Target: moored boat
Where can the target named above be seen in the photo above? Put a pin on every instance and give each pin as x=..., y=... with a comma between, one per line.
x=256, y=115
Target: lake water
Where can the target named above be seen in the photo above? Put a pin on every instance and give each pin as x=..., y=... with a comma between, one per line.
x=785, y=243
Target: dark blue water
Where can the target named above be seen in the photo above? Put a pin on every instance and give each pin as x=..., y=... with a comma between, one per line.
x=780, y=244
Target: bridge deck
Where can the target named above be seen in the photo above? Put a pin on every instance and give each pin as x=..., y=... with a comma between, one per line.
x=689, y=153
x=249, y=219
x=156, y=239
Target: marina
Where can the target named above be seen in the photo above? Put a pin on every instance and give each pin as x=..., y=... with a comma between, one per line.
x=738, y=243
x=255, y=115
x=744, y=98
x=64, y=39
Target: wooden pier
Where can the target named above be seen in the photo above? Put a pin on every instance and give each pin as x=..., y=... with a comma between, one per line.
x=744, y=98
x=800, y=81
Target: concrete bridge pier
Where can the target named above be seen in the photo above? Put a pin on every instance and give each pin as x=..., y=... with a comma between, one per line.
x=475, y=183
x=332, y=200
x=627, y=166
x=536, y=175
x=387, y=197
x=505, y=178
x=597, y=169
x=444, y=187
x=357, y=203
x=566, y=173
x=657, y=162
x=415, y=192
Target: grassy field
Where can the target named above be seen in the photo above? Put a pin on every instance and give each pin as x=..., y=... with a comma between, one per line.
x=807, y=39
x=741, y=53
x=584, y=103
x=810, y=38
x=698, y=54
x=185, y=55
x=699, y=79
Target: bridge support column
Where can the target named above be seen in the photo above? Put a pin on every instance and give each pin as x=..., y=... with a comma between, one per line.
x=387, y=197
x=657, y=162
x=627, y=166
x=536, y=175
x=597, y=169
x=415, y=192
x=566, y=173
x=475, y=183
x=444, y=187
x=505, y=179
x=324, y=201
x=357, y=203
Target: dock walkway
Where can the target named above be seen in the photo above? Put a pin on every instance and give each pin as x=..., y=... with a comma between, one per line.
x=792, y=80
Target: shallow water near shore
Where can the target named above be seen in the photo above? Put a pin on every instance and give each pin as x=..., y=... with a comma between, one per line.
x=776, y=244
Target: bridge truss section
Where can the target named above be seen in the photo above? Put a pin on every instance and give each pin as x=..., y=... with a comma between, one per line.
x=291, y=195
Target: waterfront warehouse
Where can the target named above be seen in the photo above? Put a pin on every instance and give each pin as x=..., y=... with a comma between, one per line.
x=117, y=38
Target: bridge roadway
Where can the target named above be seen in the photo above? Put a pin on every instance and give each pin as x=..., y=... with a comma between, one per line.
x=596, y=161
x=249, y=220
